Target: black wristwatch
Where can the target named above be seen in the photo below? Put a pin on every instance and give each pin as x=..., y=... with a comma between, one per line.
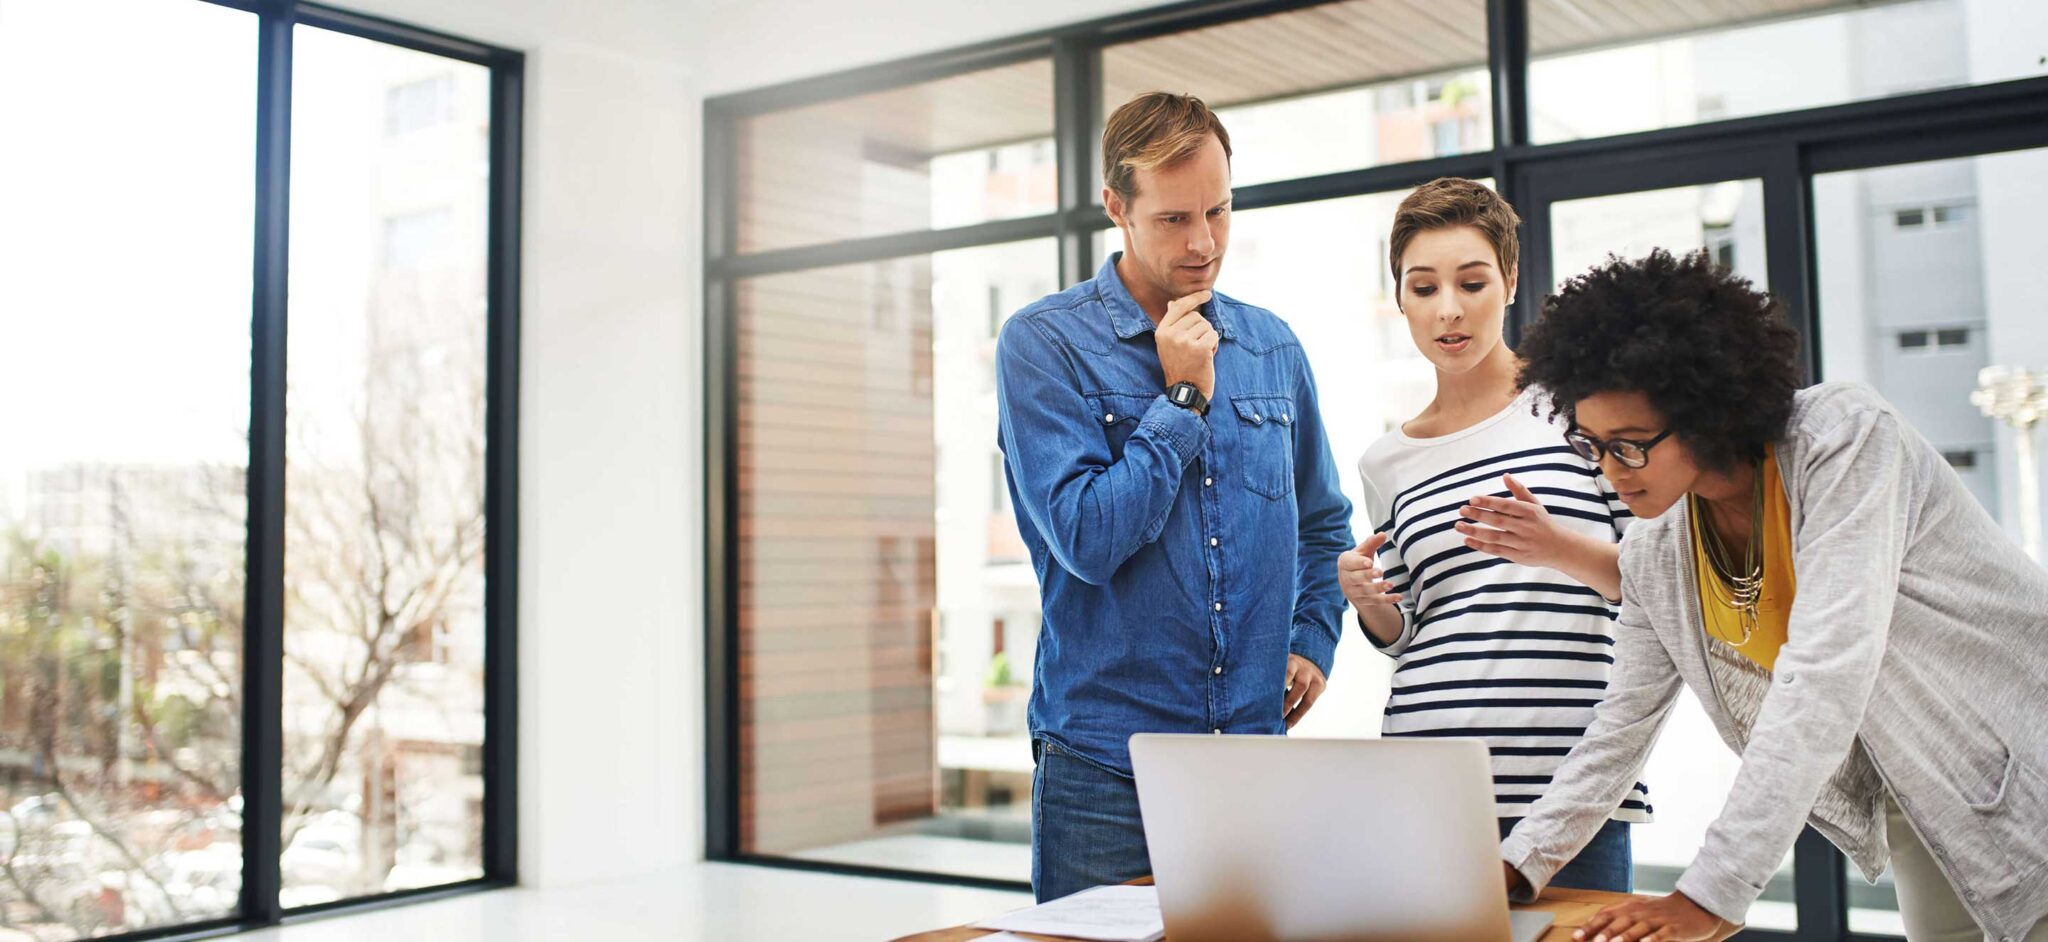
x=1186, y=396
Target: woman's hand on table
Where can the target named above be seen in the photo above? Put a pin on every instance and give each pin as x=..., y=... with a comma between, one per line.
x=1672, y=918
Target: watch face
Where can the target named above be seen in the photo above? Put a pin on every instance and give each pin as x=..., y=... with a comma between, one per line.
x=1183, y=394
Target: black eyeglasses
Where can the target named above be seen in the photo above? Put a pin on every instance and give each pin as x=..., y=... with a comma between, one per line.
x=1630, y=452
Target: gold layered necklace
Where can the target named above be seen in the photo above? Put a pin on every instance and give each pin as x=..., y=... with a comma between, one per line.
x=1737, y=585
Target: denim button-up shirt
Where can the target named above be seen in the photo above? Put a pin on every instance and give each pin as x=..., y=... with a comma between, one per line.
x=1180, y=558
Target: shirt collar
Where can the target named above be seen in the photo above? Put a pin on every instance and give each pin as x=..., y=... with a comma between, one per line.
x=1130, y=320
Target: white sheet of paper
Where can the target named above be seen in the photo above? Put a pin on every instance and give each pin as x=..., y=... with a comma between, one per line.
x=1103, y=914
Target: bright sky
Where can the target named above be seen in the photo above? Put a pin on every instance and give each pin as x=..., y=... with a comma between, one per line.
x=125, y=252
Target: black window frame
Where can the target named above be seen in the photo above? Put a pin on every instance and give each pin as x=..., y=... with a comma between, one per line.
x=262, y=745
x=1784, y=149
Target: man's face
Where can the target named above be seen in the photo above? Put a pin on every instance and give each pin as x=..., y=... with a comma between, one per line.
x=1177, y=224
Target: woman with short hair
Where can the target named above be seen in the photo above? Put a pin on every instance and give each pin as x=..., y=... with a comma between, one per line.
x=1489, y=576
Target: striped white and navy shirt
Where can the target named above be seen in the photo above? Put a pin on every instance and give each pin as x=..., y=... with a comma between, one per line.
x=1513, y=655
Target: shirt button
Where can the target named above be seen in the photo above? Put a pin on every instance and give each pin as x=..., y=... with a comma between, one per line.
x=1219, y=606
x=1217, y=732
x=1208, y=482
x=1214, y=541
x=1219, y=670
x=1257, y=418
x=1109, y=417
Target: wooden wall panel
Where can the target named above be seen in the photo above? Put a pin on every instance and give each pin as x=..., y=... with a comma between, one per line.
x=837, y=485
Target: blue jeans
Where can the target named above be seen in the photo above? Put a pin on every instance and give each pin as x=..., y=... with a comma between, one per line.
x=1085, y=829
x=1607, y=862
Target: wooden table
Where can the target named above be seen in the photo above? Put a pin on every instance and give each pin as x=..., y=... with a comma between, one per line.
x=1572, y=908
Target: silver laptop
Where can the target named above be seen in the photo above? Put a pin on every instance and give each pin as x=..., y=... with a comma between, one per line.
x=1268, y=839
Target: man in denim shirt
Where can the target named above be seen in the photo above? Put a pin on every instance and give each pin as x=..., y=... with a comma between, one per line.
x=1172, y=480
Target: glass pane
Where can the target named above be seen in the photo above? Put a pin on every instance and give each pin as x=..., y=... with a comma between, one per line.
x=1713, y=59
x=1332, y=87
x=1919, y=314
x=124, y=308
x=1727, y=219
x=384, y=579
x=1690, y=770
x=961, y=150
x=867, y=441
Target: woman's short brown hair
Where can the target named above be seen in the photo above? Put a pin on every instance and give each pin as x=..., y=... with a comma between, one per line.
x=1154, y=130
x=1452, y=201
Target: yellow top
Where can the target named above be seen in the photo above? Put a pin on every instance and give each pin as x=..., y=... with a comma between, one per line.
x=1774, y=605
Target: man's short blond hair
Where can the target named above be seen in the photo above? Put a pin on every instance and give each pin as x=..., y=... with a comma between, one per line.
x=1154, y=130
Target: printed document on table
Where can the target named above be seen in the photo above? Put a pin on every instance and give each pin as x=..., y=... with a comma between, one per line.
x=1103, y=914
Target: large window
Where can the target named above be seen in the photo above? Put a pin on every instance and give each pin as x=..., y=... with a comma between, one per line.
x=384, y=452
x=220, y=703
x=872, y=615
x=124, y=411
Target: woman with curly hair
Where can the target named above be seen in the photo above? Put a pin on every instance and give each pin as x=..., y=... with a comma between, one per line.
x=1857, y=627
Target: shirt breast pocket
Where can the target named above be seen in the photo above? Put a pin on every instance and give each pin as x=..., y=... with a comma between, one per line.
x=1118, y=414
x=1265, y=443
